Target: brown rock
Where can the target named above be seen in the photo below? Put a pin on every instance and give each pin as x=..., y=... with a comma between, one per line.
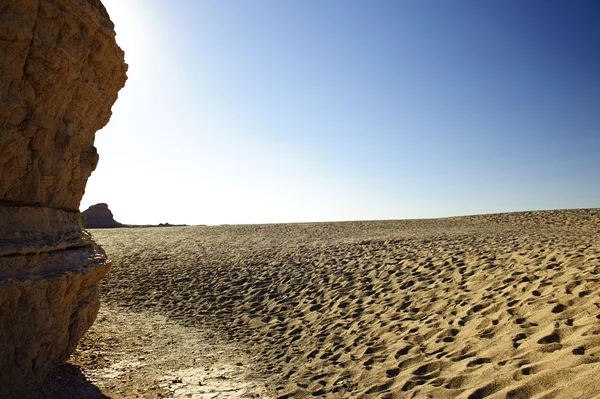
x=99, y=216
x=60, y=72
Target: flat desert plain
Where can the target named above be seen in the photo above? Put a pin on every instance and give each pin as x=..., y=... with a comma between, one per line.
x=495, y=306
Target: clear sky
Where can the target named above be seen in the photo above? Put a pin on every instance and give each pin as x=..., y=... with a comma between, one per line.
x=303, y=110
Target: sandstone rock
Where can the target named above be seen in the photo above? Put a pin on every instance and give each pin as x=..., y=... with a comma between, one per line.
x=99, y=216
x=60, y=72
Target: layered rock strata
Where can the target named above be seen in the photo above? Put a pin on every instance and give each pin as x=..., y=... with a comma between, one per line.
x=60, y=72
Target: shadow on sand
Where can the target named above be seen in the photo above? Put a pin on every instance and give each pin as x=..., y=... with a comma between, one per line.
x=66, y=382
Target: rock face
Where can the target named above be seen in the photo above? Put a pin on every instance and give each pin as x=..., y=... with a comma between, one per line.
x=98, y=217
x=60, y=72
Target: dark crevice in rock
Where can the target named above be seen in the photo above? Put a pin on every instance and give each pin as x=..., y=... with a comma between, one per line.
x=18, y=204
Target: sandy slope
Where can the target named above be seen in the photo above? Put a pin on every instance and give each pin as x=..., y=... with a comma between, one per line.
x=499, y=306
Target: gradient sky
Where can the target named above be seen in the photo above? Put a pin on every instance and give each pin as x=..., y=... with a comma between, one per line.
x=304, y=110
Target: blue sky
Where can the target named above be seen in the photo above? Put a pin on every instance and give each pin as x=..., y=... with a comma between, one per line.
x=286, y=111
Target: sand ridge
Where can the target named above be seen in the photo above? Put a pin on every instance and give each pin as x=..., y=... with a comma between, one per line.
x=504, y=305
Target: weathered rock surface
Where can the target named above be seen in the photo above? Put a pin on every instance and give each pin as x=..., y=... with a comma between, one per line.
x=98, y=217
x=60, y=72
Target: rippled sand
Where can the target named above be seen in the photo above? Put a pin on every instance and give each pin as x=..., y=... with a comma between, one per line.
x=504, y=305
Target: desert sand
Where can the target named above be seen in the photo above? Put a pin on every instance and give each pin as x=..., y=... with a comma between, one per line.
x=498, y=306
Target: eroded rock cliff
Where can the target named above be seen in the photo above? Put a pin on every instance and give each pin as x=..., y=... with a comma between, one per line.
x=60, y=72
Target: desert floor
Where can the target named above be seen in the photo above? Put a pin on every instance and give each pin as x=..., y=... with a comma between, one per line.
x=499, y=306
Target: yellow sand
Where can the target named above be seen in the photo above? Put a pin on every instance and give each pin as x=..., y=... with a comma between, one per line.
x=500, y=306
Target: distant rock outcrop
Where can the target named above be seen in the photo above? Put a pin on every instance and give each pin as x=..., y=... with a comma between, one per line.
x=98, y=217
x=60, y=72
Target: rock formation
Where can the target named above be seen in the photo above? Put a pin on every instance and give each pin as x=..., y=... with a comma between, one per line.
x=60, y=72
x=98, y=217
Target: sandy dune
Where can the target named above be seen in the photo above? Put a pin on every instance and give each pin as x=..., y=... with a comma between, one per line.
x=500, y=306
